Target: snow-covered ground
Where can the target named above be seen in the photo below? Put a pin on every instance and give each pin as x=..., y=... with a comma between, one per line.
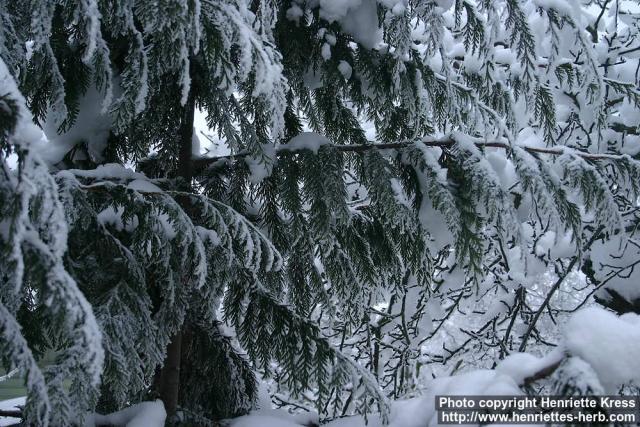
x=10, y=405
x=145, y=414
x=417, y=412
x=593, y=336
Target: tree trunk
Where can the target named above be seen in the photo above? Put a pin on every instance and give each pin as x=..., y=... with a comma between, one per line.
x=170, y=375
x=185, y=168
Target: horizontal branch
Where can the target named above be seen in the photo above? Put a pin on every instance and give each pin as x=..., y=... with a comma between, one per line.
x=13, y=413
x=202, y=162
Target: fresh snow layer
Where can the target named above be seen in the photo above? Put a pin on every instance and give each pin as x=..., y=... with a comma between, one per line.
x=345, y=69
x=359, y=18
x=11, y=405
x=444, y=4
x=420, y=411
x=145, y=414
x=143, y=186
x=108, y=171
x=416, y=412
x=610, y=344
x=305, y=141
x=111, y=216
x=92, y=126
x=262, y=421
x=275, y=418
x=326, y=51
x=520, y=366
x=294, y=13
x=561, y=6
x=260, y=167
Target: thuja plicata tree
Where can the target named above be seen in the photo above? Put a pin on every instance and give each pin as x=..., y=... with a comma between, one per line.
x=391, y=170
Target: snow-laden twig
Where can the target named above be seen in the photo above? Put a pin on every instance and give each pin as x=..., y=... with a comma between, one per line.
x=200, y=164
x=9, y=375
x=554, y=288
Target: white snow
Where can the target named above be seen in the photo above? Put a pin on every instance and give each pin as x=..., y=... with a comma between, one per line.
x=594, y=335
x=11, y=405
x=260, y=167
x=195, y=143
x=610, y=344
x=420, y=411
x=143, y=186
x=275, y=418
x=108, y=171
x=166, y=226
x=444, y=4
x=208, y=235
x=185, y=78
x=333, y=10
x=434, y=221
x=597, y=338
x=398, y=9
x=145, y=414
x=91, y=127
x=358, y=18
x=472, y=63
x=617, y=256
x=294, y=13
x=561, y=6
x=210, y=143
x=519, y=366
x=504, y=55
x=326, y=51
x=9, y=374
x=262, y=421
x=416, y=412
x=557, y=247
x=112, y=216
x=631, y=145
x=501, y=304
x=305, y=141
x=582, y=375
x=345, y=69
x=313, y=78
x=399, y=193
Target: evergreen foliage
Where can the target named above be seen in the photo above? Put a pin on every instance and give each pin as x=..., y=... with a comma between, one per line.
x=326, y=267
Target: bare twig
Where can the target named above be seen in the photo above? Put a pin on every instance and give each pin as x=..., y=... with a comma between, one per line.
x=554, y=288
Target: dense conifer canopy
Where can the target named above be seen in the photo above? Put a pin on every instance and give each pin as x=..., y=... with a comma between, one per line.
x=400, y=189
